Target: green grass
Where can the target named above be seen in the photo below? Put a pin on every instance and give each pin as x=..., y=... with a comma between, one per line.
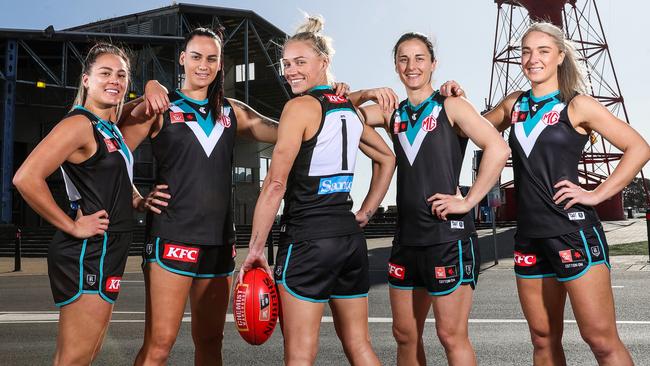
x=638, y=248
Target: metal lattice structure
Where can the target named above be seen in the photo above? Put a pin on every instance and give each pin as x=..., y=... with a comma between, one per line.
x=582, y=24
x=41, y=68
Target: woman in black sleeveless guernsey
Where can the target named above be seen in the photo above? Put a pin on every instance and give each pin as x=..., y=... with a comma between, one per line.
x=190, y=249
x=560, y=246
x=434, y=261
x=322, y=255
x=88, y=253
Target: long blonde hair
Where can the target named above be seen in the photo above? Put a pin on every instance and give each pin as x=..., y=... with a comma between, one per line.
x=94, y=52
x=570, y=73
x=310, y=31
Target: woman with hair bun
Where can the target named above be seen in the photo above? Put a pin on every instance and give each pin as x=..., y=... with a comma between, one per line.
x=322, y=257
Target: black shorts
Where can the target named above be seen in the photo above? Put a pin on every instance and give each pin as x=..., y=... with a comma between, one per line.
x=199, y=261
x=440, y=268
x=565, y=257
x=322, y=269
x=91, y=266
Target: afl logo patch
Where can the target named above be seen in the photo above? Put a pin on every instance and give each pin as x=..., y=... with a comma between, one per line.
x=111, y=145
x=225, y=121
x=149, y=248
x=91, y=279
x=429, y=124
x=176, y=117
x=551, y=118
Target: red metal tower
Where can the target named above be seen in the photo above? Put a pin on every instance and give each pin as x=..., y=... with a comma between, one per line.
x=581, y=23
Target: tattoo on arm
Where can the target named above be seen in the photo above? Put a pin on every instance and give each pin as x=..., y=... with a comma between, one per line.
x=254, y=114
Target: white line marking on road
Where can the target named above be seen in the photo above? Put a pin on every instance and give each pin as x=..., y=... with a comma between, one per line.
x=618, y=286
x=14, y=317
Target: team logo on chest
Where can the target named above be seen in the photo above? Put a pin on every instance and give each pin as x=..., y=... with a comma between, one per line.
x=529, y=126
x=429, y=124
x=411, y=141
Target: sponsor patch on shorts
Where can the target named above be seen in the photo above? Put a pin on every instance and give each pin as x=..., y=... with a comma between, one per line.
x=457, y=224
x=180, y=253
x=396, y=271
x=113, y=284
x=525, y=260
x=446, y=272
x=571, y=255
x=573, y=216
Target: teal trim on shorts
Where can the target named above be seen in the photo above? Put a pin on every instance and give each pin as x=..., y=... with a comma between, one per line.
x=586, y=246
x=532, y=277
x=185, y=273
x=460, y=275
x=471, y=246
x=602, y=247
x=348, y=296
x=81, y=276
x=406, y=288
x=284, y=281
x=101, y=271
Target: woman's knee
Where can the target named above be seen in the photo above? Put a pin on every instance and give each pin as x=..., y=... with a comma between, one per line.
x=158, y=346
x=545, y=338
x=212, y=340
x=602, y=343
x=405, y=335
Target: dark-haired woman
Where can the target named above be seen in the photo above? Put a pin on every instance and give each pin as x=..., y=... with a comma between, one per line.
x=434, y=260
x=190, y=252
x=88, y=253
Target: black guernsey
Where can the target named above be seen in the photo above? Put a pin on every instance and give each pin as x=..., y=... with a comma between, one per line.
x=545, y=150
x=194, y=152
x=429, y=156
x=317, y=201
x=103, y=181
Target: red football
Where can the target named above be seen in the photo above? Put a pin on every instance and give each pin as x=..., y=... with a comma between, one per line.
x=255, y=306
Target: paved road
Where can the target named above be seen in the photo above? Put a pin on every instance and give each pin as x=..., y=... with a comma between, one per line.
x=498, y=331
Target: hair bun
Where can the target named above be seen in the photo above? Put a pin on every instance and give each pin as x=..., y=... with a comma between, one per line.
x=313, y=24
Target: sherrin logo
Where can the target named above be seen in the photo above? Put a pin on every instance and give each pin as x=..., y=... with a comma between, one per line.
x=181, y=253
x=342, y=183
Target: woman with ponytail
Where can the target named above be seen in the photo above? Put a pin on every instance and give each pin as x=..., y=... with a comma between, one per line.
x=560, y=246
x=322, y=256
x=88, y=253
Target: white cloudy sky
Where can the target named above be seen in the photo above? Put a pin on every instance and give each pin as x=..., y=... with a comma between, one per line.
x=365, y=31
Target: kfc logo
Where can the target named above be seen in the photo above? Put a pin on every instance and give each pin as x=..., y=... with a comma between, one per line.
x=336, y=99
x=176, y=117
x=225, y=121
x=525, y=260
x=111, y=145
x=181, y=253
x=429, y=124
x=396, y=271
x=551, y=118
x=113, y=284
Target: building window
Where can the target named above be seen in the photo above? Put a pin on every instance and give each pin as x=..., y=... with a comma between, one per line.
x=242, y=175
x=240, y=72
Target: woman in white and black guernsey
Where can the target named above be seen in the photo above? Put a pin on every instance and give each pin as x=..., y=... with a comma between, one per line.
x=190, y=251
x=323, y=255
x=434, y=261
x=88, y=253
x=560, y=246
